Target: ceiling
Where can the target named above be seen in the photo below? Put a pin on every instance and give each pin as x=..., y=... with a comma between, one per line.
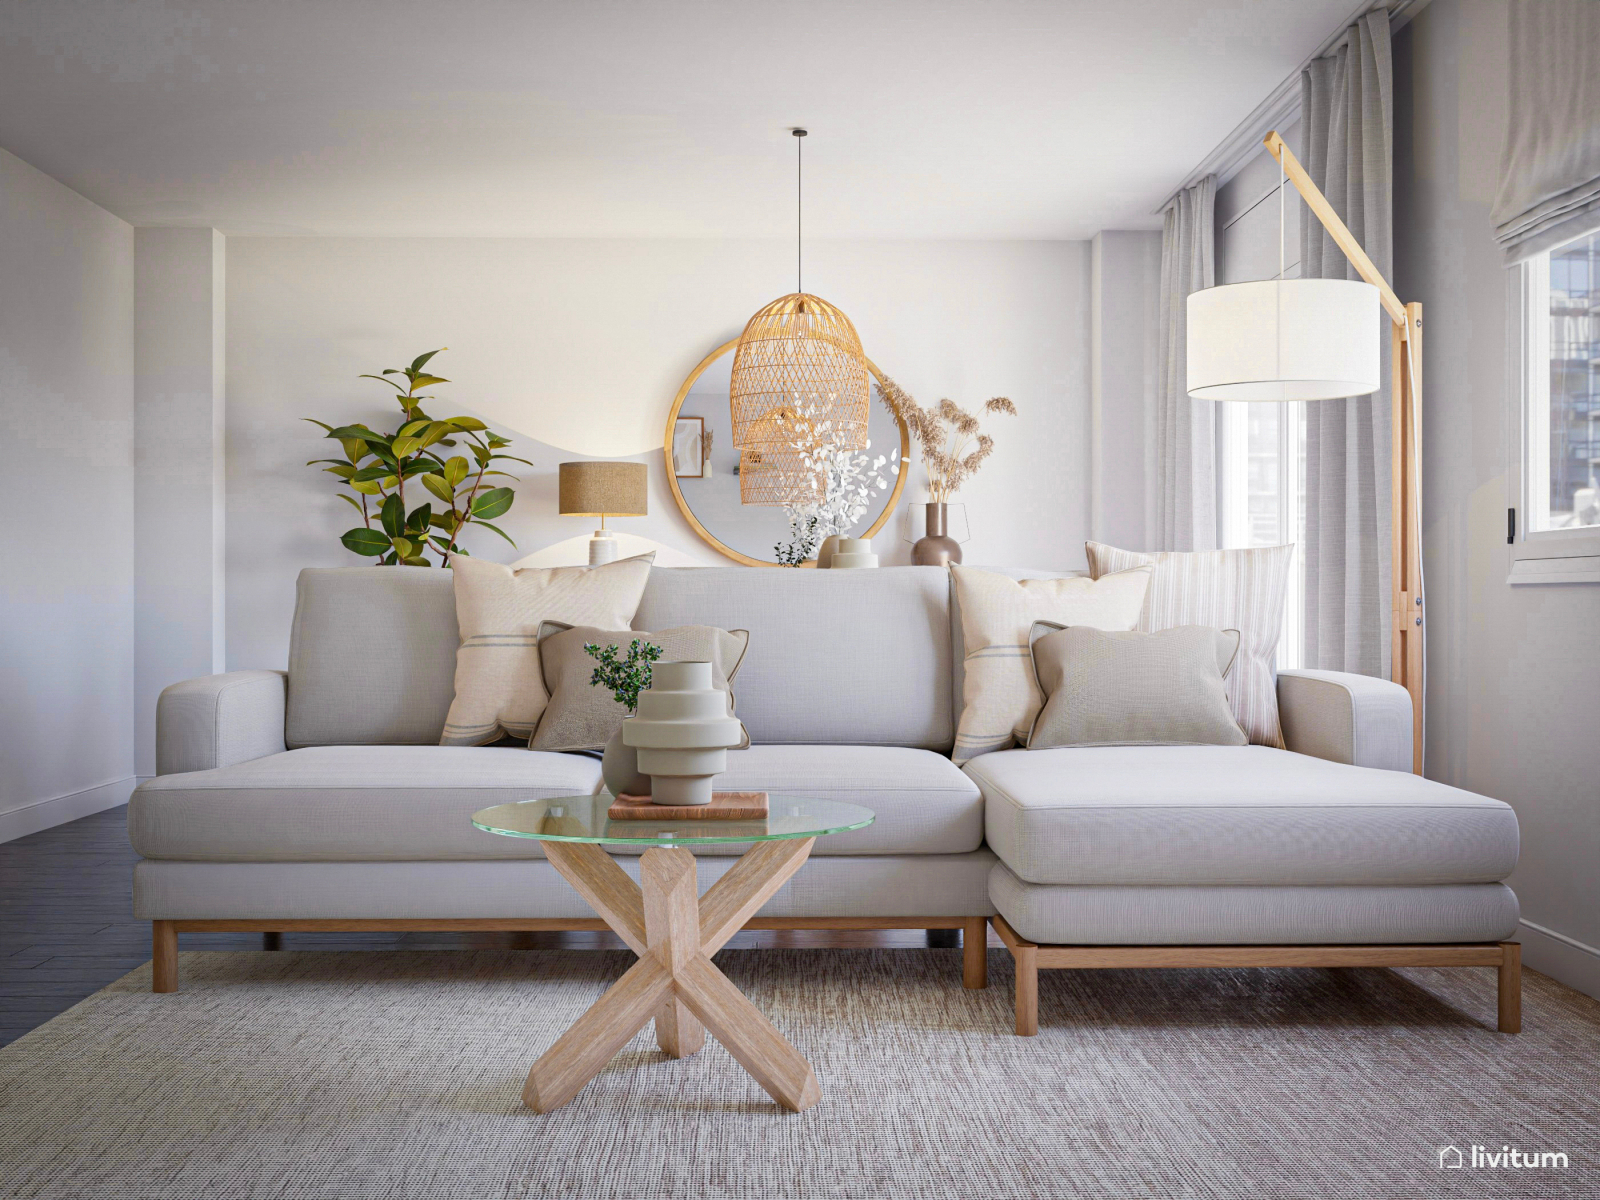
x=639, y=118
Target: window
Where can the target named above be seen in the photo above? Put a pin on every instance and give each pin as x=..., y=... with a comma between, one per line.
x=1559, y=450
x=1262, y=475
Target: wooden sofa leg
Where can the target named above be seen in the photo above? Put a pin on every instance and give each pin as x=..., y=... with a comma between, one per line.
x=163, y=956
x=1511, y=987
x=272, y=941
x=975, y=952
x=1027, y=960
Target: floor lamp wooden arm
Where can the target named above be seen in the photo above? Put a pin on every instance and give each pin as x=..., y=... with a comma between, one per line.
x=1406, y=630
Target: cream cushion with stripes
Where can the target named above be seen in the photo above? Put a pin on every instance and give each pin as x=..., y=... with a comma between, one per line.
x=499, y=687
x=999, y=697
x=1225, y=589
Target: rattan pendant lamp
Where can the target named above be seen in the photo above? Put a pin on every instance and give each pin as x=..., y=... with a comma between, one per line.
x=799, y=363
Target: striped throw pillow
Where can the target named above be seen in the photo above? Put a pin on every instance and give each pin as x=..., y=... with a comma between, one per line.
x=1224, y=589
x=999, y=695
x=499, y=688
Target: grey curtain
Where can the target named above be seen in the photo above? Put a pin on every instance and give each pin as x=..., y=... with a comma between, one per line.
x=1550, y=173
x=1186, y=488
x=1347, y=110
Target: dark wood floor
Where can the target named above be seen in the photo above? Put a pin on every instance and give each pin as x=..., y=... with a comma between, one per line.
x=67, y=927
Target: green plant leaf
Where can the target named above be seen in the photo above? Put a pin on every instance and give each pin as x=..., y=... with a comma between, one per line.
x=376, y=471
x=381, y=379
x=351, y=501
x=404, y=547
x=365, y=541
x=342, y=470
x=479, y=453
x=422, y=381
x=437, y=431
x=416, y=560
x=412, y=428
x=468, y=423
x=405, y=447
x=455, y=470
x=420, y=466
x=506, y=474
x=492, y=503
x=498, y=530
x=355, y=431
x=444, y=520
x=418, y=520
x=311, y=462
x=421, y=360
x=393, y=516
x=441, y=489
x=389, y=560
x=511, y=457
x=314, y=421
x=444, y=545
x=367, y=487
x=355, y=449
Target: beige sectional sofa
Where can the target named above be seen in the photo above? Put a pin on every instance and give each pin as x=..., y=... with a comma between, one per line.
x=318, y=798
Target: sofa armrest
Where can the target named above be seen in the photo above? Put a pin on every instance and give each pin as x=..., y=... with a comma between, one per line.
x=1347, y=718
x=219, y=720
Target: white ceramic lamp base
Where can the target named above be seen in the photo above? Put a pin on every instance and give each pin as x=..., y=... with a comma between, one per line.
x=602, y=548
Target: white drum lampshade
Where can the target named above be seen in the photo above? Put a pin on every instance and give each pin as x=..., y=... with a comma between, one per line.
x=1277, y=340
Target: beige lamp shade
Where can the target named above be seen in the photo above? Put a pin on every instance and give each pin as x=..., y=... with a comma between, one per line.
x=603, y=489
x=799, y=354
x=1278, y=340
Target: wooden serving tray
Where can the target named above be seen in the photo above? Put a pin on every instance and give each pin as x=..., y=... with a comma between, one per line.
x=724, y=806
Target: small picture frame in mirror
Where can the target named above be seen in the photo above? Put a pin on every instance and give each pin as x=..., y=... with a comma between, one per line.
x=688, y=448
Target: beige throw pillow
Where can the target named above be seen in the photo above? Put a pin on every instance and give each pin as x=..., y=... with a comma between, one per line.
x=499, y=689
x=1134, y=689
x=1224, y=589
x=582, y=715
x=999, y=695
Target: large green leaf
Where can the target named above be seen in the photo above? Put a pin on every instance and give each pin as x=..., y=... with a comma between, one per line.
x=355, y=449
x=367, y=487
x=404, y=447
x=492, y=503
x=412, y=428
x=437, y=431
x=498, y=530
x=469, y=423
x=352, y=502
x=342, y=470
x=404, y=547
x=420, y=466
x=444, y=520
x=421, y=360
x=393, y=516
x=314, y=421
x=417, y=522
x=479, y=453
x=416, y=560
x=381, y=379
x=422, y=381
x=510, y=458
x=366, y=541
x=439, y=488
x=455, y=470
x=376, y=471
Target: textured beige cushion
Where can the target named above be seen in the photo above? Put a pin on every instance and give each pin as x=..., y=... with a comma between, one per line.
x=1134, y=689
x=581, y=715
x=499, y=689
x=999, y=695
x=1225, y=589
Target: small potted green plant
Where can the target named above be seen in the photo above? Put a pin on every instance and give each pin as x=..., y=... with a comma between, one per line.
x=625, y=678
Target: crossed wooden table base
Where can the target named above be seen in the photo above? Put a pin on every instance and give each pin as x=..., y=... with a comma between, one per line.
x=674, y=931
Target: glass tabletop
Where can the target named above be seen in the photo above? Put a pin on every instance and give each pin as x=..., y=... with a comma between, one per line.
x=586, y=819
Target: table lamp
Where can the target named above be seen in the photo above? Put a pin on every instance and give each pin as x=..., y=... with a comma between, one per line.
x=603, y=489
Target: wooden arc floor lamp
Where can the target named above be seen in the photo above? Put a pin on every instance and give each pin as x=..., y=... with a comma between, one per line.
x=1322, y=348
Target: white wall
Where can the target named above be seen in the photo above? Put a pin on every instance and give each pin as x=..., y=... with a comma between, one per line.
x=577, y=348
x=1513, y=673
x=66, y=389
x=179, y=284
x=1125, y=290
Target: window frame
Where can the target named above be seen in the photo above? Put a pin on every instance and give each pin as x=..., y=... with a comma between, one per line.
x=1537, y=556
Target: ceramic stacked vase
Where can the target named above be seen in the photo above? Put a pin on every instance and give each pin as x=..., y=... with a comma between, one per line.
x=682, y=732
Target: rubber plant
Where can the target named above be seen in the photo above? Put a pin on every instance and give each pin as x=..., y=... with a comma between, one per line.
x=377, y=466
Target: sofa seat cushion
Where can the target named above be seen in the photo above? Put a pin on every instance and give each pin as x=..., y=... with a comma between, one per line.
x=1249, y=815
x=1144, y=915
x=924, y=804
x=350, y=803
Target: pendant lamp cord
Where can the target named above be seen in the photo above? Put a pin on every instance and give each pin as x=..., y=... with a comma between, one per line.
x=799, y=207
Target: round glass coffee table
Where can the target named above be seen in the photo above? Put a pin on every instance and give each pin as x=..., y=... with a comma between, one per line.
x=674, y=931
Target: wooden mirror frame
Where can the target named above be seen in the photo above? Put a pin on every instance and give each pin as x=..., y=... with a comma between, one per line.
x=705, y=534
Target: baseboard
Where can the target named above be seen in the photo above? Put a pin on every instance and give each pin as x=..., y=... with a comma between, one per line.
x=1563, y=958
x=45, y=814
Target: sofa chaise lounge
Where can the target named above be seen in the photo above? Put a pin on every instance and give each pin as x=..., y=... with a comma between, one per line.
x=319, y=798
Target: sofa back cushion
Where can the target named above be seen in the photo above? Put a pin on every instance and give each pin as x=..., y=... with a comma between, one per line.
x=372, y=657
x=852, y=657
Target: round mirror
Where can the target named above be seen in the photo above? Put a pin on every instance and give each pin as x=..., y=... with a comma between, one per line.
x=703, y=467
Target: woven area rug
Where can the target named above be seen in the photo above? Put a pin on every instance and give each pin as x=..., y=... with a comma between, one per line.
x=357, y=1075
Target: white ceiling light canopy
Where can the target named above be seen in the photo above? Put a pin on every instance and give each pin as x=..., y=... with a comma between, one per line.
x=1277, y=340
